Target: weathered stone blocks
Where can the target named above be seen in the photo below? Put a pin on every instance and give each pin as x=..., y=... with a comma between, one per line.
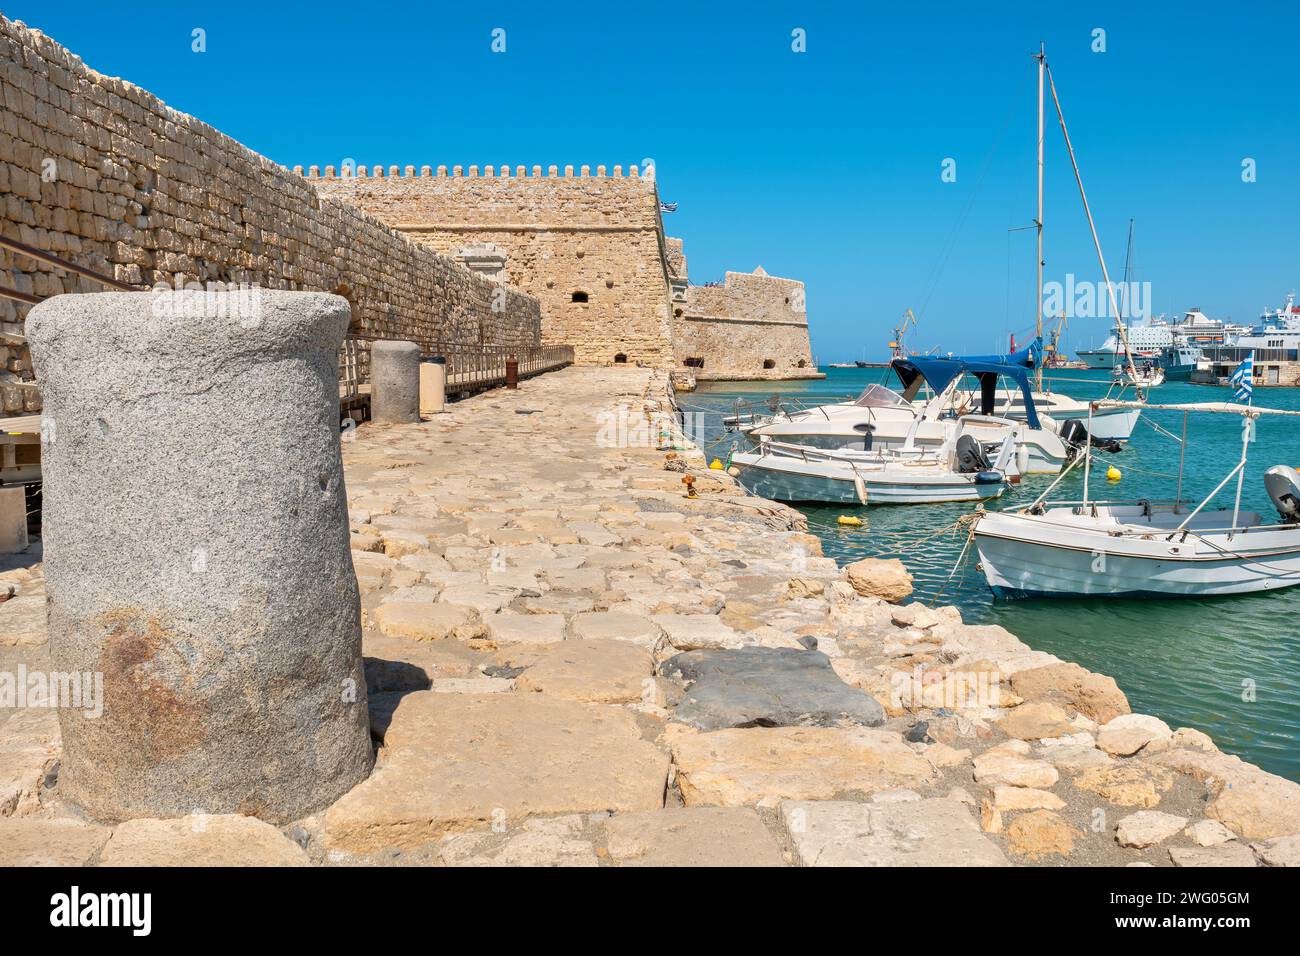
x=196, y=552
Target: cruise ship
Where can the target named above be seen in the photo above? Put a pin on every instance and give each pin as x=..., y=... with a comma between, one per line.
x=1151, y=339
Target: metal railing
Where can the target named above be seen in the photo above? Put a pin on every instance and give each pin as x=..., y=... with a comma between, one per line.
x=471, y=368
x=349, y=372
x=1234, y=355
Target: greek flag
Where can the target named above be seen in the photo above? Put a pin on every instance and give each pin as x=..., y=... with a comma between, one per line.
x=667, y=206
x=1243, y=380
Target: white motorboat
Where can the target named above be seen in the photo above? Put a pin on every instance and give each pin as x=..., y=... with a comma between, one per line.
x=881, y=419
x=1109, y=424
x=1146, y=375
x=1148, y=548
x=786, y=472
x=876, y=405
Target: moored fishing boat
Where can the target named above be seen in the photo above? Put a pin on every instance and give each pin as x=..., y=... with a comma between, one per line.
x=881, y=419
x=1148, y=548
x=798, y=474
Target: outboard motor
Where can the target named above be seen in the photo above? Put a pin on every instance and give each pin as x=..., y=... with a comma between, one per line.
x=1282, y=482
x=970, y=456
x=1075, y=435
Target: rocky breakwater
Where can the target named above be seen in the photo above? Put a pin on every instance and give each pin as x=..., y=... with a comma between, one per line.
x=574, y=657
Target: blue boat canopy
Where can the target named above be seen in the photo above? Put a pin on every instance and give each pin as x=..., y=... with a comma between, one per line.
x=939, y=373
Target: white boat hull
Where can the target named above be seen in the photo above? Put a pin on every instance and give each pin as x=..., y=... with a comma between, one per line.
x=1025, y=556
x=1116, y=423
x=783, y=478
x=1107, y=423
x=1047, y=455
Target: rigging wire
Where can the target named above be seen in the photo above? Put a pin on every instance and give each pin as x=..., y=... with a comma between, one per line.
x=950, y=244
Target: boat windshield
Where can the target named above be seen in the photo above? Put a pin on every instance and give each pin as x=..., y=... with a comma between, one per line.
x=878, y=396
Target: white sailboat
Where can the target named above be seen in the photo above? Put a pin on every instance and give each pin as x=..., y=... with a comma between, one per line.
x=1148, y=548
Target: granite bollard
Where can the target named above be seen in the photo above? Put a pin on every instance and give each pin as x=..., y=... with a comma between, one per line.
x=196, y=552
x=395, y=382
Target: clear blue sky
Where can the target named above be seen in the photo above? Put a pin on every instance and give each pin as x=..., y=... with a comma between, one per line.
x=824, y=165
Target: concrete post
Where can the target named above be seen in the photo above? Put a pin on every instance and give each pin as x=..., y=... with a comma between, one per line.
x=196, y=552
x=395, y=382
x=512, y=373
x=433, y=386
x=13, y=520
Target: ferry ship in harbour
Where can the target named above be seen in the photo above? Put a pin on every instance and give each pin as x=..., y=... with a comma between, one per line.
x=1275, y=339
x=1152, y=339
x=1278, y=329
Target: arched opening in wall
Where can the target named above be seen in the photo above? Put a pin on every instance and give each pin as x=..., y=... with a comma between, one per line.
x=769, y=363
x=803, y=363
x=620, y=359
x=694, y=362
x=579, y=296
x=354, y=323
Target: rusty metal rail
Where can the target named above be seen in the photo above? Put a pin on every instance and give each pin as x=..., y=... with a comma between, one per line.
x=473, y=368
x=470, y=368
x=49, y=258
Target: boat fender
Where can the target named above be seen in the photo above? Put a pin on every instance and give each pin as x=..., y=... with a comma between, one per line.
x=1022, y=459
x=988, y=477
x=860, y=488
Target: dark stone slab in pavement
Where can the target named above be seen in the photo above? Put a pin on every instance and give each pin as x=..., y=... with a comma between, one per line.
x=766, y=687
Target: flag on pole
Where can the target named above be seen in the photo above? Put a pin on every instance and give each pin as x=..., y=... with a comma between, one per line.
x=1243, y=380
x=667, y=206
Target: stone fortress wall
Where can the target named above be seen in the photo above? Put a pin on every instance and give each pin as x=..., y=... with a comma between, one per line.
x=588, y=247
x=752, y=326
x=592, y=249
x=104, y=174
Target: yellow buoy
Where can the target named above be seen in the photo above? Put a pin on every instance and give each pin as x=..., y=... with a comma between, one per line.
x=1113, y=474
x=716, y=464
x=851, y=521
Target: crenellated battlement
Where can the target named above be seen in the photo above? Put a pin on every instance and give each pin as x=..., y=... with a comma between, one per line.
x=504, y=171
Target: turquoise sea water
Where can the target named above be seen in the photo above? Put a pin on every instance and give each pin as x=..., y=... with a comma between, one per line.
x=1227, y=666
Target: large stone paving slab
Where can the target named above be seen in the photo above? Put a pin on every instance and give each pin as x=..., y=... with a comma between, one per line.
x=454, y=762
x=591, y=671
x=692, y=836
x=767, y=687
x=555, y=841
x=221, y=840
x=743, y=767
x=934, y=832
x=34, y=841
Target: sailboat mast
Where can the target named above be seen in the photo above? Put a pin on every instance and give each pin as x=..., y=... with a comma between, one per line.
x=1096, y=241
x=1038, y=221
